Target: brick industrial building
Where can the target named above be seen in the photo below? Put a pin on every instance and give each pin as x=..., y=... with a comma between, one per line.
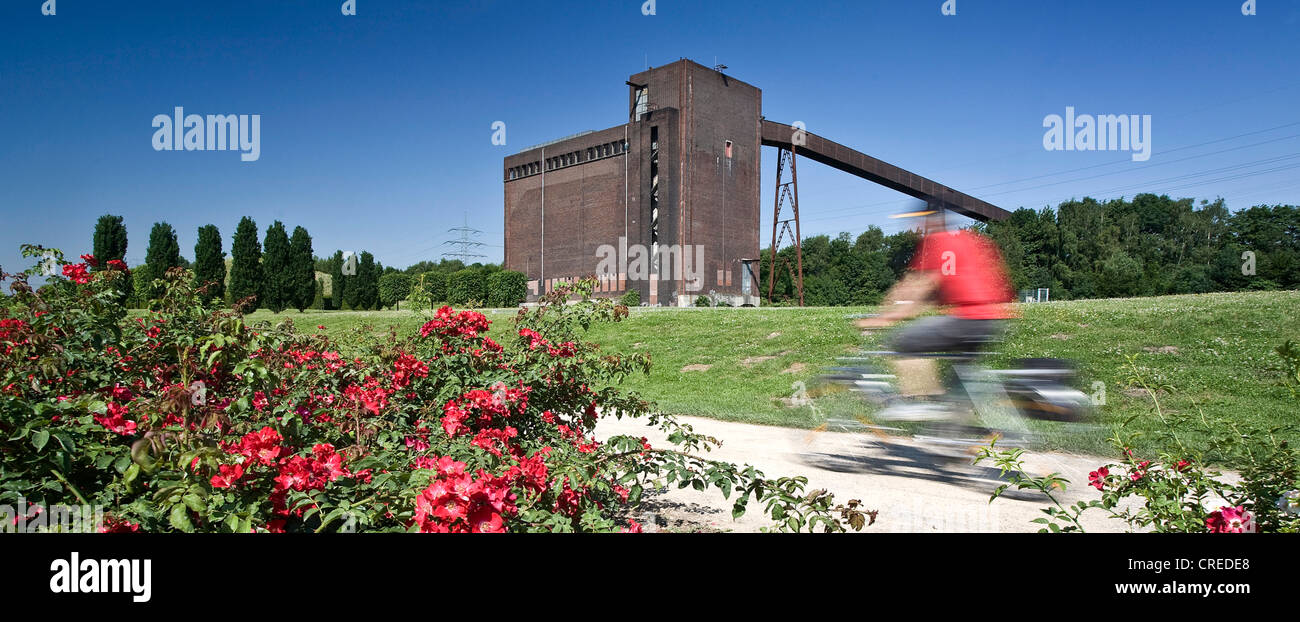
x=668, y=203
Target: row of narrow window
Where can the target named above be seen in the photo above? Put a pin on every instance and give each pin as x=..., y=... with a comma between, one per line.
x=569, y=159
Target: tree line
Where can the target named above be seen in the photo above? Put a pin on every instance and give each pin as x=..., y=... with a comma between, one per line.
x=1147, y=246
x=281, y=272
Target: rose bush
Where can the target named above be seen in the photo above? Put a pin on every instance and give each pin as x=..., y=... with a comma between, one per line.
x=191, y=419
x=1179, y=490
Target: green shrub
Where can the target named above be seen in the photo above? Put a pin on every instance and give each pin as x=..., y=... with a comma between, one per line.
x=393, y=288
x=419, y=298
x=464, y=286
x=319, y=301
x=631, y=299
x=506, y=288
x=702, y=301
x=436, y=284
x=141, y=277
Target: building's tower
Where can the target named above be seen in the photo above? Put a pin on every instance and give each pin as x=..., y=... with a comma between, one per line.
x=678, y=182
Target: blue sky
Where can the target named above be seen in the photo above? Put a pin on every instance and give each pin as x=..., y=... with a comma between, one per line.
x=376, y=128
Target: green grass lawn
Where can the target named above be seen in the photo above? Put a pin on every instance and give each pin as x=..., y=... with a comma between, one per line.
x=1215, y=350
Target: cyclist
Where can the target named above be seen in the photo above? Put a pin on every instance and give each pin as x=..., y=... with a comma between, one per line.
x=961, y=271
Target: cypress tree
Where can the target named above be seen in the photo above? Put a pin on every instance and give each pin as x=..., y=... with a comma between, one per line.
x=277, y=269
x=318, y=295
x=303, y=269
x=109, y=240
x=354, y=288
x=337, y=280
x=367, y=284
x=246, y=263
x=110, y=243
x=164, y=253
x=210, y=263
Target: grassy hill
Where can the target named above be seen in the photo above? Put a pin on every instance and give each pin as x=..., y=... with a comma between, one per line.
x=1215, y=350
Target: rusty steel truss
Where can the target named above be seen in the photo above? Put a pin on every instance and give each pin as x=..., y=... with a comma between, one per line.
x=787, y=191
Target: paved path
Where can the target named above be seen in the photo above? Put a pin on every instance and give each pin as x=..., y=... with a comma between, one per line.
x=908, y=482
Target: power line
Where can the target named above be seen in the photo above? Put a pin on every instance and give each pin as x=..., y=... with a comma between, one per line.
x=1138, y=168
x=1190, y=177
x=1177, y=149
x=1167, y=151
x=1002, y=158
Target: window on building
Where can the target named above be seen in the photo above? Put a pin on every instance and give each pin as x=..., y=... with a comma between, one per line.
x=642, y=102
x=729, y=150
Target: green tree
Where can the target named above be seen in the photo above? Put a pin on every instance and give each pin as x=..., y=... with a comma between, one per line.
x=110, y=244
x=393, y=288
x=367, y=283
x=246, y=263
x=338, y=282
x=436, y=282
x=303, y=269
x=466, y=285
x=278, y=287
x=506, y=288
x=164, y=252
x=210, y=263
x=110, y=240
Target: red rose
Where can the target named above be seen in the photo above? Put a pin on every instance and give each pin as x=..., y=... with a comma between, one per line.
x=1098, y=478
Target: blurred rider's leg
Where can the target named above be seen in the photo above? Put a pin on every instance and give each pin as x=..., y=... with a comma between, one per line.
x=918, y=377
x=937, y=334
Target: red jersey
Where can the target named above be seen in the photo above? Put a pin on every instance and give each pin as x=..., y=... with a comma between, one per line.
x=972, y=278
